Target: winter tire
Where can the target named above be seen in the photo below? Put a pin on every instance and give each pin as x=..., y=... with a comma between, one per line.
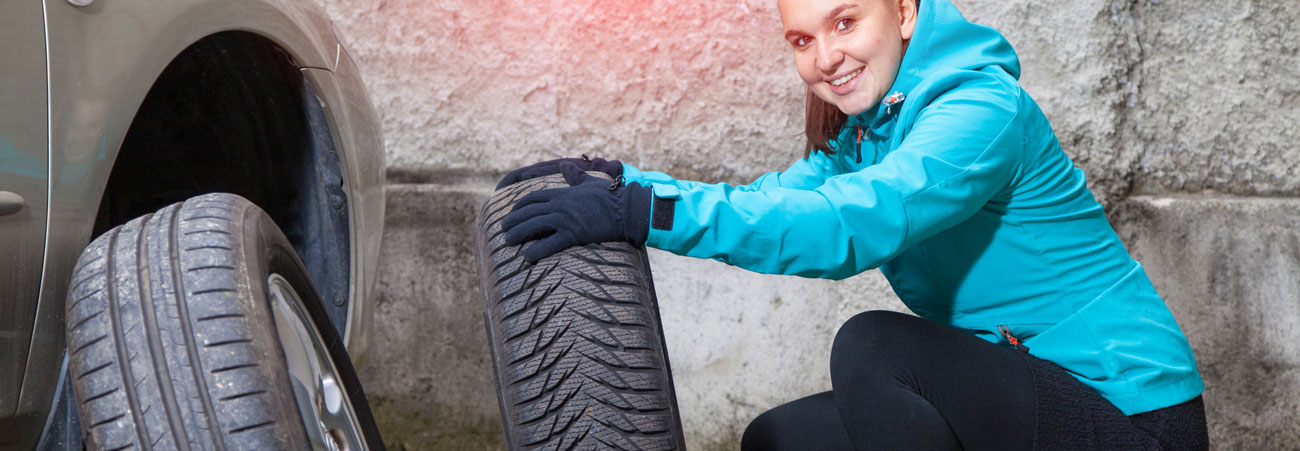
x=196, y=327
x=577, y=346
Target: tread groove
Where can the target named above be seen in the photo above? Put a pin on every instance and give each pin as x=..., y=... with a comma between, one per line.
x=196, y=232
x=242, y=395
x=78, y=301
x=199, y=248
x=88, y=344
x=212, y=290
x=157, y=355
x=110, y=420
x=201, y=268
x=183, y=314
x=119, y=338
x=219, y=316
x=233, y=367
x=101, y=395
x=95, y=370
x=227, y=342
x=240, y=430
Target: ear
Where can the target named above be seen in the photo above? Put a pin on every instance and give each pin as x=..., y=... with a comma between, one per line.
x=907, y=18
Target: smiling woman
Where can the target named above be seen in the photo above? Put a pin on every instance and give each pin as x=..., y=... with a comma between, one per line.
x=848, y=52
x=835, y=50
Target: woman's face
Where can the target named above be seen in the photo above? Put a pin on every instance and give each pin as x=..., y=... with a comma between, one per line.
x=848, y=51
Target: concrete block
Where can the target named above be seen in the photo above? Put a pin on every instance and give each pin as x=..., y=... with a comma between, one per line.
x=1229, y=269
x=1219, y=96
x=741, y=343
x=467, y=85
x=429, y=373
x=1077, y=61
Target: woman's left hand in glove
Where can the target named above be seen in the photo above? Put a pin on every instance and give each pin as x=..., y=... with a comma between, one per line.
x=590, y=210
x=612, y=167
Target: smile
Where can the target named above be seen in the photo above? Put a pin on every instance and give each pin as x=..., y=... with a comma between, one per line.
x=845, y=79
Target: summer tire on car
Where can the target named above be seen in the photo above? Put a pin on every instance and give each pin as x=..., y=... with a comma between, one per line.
x=196, y=327
x=577, y=346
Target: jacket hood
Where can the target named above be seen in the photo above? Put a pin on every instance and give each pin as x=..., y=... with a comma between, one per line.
x=944, y=41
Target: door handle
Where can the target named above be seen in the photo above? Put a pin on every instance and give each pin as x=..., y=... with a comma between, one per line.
x=10, y=203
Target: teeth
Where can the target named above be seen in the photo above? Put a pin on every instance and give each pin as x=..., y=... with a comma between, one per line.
x=846, y=78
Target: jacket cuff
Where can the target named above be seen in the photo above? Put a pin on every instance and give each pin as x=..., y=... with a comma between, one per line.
x=633, y=175
x=663, y=213
x=637, y=212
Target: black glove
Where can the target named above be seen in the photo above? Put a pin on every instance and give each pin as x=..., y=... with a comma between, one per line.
x=590, y=210
x=612, y=167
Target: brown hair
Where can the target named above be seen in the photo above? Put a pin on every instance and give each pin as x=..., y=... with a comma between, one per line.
x=822, y=124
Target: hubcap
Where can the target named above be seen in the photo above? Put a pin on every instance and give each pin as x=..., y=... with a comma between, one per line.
x=323, y=403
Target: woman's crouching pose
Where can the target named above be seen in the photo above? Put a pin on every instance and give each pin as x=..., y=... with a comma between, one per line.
x=927, y=160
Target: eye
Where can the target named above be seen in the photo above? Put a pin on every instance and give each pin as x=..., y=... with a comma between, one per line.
x=844, y=24
x=800, y=42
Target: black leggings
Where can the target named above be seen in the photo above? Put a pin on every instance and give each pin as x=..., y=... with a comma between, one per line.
x=902, y=382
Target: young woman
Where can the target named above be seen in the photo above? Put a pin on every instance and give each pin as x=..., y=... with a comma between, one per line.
x=925, y=159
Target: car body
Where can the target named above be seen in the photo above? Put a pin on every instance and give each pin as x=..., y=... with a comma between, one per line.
x=114, y=108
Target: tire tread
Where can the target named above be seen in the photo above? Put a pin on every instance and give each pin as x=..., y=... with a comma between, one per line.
x=158, y=304
x=577, y=345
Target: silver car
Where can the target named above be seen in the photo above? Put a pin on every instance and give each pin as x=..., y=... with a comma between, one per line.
x=227, y=163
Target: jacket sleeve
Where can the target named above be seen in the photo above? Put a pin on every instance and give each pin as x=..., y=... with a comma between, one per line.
x=806, y=173
x=960, y=151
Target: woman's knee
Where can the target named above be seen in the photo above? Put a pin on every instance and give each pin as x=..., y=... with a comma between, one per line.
x=868, y=333
x=811, y=422
x=873, y=344
x=759, y=434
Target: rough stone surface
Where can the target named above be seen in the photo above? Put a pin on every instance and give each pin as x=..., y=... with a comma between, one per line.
x=430, y=348
x=1229, y=268
x=741, y=343
x=1188, y=97
x=1078, y=61
x=1220, y=96
x=704, y=88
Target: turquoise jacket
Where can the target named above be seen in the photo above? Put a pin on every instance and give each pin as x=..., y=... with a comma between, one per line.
x=961, y=195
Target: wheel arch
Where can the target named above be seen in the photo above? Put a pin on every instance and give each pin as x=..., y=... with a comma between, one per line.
x=234, y=113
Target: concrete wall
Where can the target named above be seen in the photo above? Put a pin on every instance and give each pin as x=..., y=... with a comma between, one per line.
x=1182, y=112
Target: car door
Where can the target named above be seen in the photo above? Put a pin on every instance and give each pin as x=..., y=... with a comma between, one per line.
x=24, y=187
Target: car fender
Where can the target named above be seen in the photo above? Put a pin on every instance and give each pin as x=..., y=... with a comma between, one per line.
x=102, y=60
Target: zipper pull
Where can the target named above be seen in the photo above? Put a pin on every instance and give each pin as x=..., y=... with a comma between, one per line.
x=1006, y=333
x=859, y=144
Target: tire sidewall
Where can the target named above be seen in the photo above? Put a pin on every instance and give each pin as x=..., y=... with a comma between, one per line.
x=267, y=251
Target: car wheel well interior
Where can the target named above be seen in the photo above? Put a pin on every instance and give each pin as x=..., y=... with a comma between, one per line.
x=233, y=113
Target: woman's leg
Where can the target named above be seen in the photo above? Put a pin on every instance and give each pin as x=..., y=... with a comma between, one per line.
x=903, y=382
x=811, y=423
x=1178, y=427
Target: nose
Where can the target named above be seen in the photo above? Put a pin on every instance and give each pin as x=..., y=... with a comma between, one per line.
x=829, y=56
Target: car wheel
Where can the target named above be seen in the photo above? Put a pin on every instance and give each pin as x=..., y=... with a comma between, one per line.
x=577, y=345
x=197, y=327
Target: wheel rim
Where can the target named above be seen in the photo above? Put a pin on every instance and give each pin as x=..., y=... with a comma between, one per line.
x=323, y=403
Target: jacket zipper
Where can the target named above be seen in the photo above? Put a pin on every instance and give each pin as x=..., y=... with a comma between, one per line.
x=1006, y=333
x=859, y=144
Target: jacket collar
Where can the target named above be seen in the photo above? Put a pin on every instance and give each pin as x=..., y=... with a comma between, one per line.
x=943, y=39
